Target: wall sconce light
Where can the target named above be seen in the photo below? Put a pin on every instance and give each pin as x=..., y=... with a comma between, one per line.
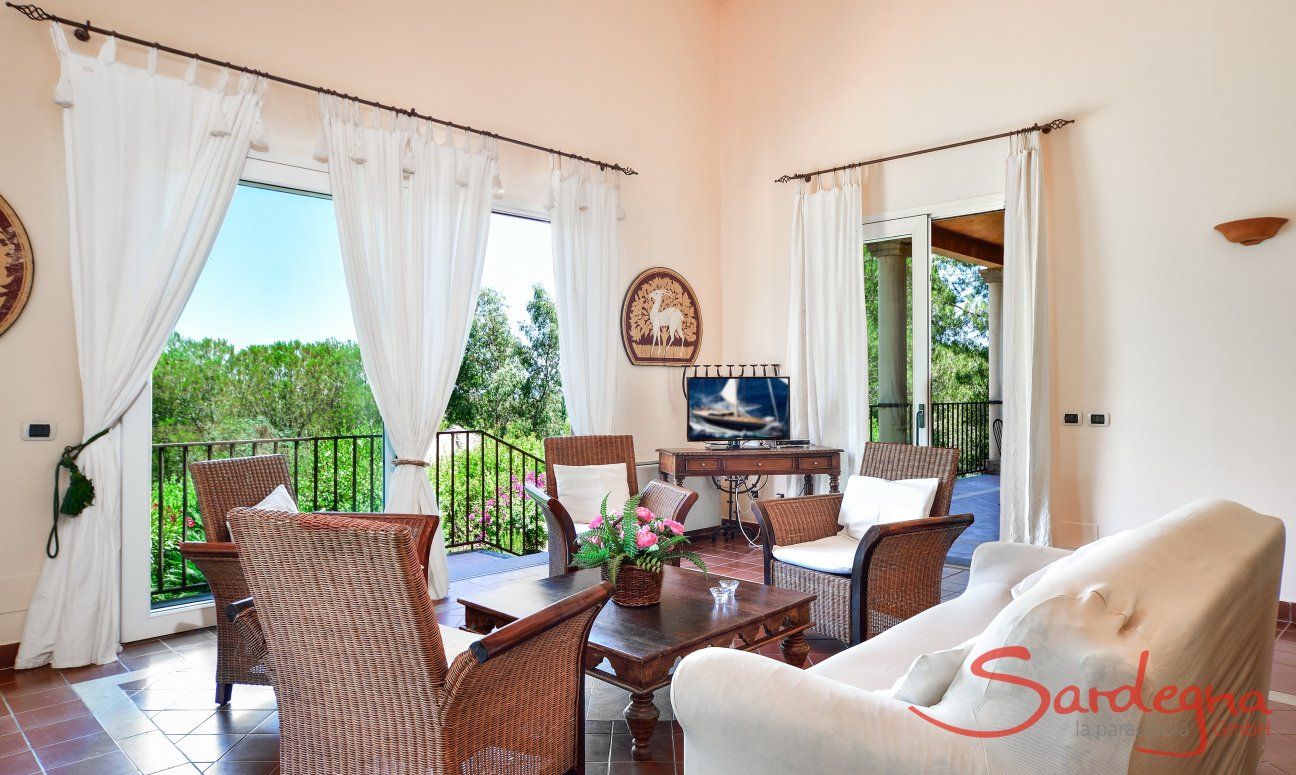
x=1250, y=231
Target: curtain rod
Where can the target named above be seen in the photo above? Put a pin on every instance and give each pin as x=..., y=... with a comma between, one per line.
x=83, y=30
x=1045, y=128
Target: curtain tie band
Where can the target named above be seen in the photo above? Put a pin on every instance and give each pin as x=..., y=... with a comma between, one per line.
x=80, y=492
x=405, y=461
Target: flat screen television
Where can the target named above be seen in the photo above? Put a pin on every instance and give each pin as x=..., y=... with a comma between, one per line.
x=737, y=408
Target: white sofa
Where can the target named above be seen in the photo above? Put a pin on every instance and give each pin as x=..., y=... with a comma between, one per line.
x=1197, y=590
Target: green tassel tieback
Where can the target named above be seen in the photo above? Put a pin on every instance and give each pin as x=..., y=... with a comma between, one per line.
x=80, y=491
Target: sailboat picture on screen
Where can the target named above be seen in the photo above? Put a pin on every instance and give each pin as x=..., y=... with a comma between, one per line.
x=737, y=408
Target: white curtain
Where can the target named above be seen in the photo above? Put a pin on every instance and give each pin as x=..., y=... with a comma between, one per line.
x=152, y=163
x=1024, y=480
x=413, y=207
x=827, y=324
x=585, y=207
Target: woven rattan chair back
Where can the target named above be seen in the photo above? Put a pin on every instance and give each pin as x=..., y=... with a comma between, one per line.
x=589, y=451
x=353, y=646
x=887, y=460
x=238, y=482
x=359, y=668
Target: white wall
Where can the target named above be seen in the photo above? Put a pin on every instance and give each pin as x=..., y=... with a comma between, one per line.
x=1185, y=120
x=626, y=82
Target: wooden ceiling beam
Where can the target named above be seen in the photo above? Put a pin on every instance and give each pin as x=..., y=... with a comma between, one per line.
x=950, y=243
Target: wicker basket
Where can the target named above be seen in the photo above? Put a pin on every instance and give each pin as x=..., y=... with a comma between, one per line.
x=635, y=587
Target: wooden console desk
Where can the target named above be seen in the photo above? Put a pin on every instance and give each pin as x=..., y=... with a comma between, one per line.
x=683, y=462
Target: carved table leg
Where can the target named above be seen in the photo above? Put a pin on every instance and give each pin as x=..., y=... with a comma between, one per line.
x=833, y=481
x=679, y=480
x=795, y=649
x=807, y=484
x=665, y=477
x=641, y=716
x=479, y=622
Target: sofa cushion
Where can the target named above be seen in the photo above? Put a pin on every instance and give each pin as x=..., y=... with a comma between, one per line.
x=869, y=500
x=878, y=662
x=925, y=682
x=581, y=490
x=834, y=554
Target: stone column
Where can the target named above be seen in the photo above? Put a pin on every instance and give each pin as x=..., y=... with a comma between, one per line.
x=892, y=337
x=993, y=277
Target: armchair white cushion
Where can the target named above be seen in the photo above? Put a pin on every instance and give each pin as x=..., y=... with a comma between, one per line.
x=581, y=490
x=869, y=500
x=834, y=554
x=1197, y=589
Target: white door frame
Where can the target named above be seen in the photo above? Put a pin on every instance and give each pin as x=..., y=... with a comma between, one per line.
x=139, y=620
x=918, y=229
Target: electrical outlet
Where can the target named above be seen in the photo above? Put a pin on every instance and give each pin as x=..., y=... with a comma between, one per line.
x=1099, y=418
x=1071, y=418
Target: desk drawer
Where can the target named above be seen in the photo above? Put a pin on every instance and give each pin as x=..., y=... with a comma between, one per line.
x=694, y=465
x=814, y=463
x=758, y=465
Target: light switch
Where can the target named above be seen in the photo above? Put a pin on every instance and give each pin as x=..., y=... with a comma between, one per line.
x=41, y=430
x=1071, y=418
x=1099, y=418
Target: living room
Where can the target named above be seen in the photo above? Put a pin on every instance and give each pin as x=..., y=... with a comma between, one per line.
x=1155, y=330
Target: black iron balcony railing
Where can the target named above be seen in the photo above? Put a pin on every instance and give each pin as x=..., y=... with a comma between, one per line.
x=965, y=425
x=478, y=479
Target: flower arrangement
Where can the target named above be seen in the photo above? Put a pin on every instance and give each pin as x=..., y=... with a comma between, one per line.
x=638, y=542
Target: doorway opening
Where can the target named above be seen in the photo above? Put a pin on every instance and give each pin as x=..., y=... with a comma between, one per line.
x=934, y=306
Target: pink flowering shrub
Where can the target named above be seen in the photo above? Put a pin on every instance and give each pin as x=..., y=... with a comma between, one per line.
x=638, y=537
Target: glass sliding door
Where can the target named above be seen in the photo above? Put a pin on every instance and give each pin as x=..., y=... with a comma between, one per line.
x=897, y=267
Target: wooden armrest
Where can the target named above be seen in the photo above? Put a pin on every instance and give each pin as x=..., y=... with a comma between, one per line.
x=788, y=521
x=669, y=501
x=208, y=550
x=425, y=525
x=233, y=610
x=520, y=631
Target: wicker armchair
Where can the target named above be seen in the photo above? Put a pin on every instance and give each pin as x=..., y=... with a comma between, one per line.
x=897, y=566
x=223, y=485
x=368, y=682
x=666, y=500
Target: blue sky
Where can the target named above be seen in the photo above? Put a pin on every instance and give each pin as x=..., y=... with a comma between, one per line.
x=275, y=272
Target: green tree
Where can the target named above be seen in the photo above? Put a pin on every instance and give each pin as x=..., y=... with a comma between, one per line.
x=190, y=383
x=488, y=390
x=960, y=328
x=300, y=389
x=545, y=412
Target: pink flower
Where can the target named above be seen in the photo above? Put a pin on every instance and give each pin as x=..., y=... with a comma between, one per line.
x=596, y=540
x=645, y=538
x=596, y=523
x=644, y=514
x=189, y=522
x=675, y=527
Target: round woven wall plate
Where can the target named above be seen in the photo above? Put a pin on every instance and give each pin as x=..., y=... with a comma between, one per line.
x=16, y=266
x=661, y=320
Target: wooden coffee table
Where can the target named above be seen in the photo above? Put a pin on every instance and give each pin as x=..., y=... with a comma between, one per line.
x=637, y=648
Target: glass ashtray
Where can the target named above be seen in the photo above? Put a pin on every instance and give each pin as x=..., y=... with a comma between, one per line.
x=721, y=595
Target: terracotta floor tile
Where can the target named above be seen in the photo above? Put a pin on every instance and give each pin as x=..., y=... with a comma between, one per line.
x=207, y=748
x=76, y=750
x=255, y=748
x=52, y=714
x=152, y=752
x=43, y=699
x=32, y=681
x=40, y=737
x=22, y=763
x=224, y=767
x=109, y=764
x=13, y=743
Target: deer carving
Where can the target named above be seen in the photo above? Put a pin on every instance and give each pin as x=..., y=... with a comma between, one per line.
x=670, y=319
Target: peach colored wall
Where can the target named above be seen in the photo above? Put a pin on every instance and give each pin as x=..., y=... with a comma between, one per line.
x=1184, y=122
x=628, y=82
